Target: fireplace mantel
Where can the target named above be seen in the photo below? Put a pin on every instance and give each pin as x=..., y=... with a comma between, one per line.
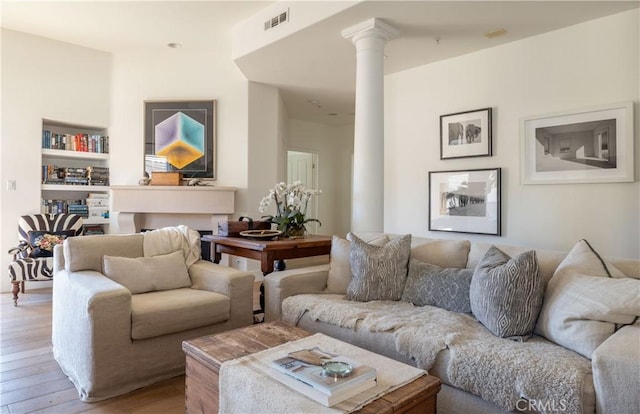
x=200, y=207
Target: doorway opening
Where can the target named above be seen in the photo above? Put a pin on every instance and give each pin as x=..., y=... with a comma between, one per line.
x=303, y=166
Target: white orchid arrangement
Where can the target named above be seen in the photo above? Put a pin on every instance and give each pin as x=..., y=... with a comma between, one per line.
x=292, y=202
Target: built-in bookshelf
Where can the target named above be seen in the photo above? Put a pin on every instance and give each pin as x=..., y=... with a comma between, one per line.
x=75, y=172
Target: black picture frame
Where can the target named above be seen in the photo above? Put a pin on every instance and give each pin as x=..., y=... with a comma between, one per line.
x=466, y=134
x=181, y=136
x=466, y=201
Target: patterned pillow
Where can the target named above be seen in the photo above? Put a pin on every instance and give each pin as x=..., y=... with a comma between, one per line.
x=378, y=272
x=506, y=294
x=42, y=242
x=339, y=267
x=446, y=288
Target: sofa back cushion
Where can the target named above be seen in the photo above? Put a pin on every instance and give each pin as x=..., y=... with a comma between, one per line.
x=443, y=253
x=586, y=300
x=147, y=274
x=86, y=252
x=506, y=293
x=379, y=272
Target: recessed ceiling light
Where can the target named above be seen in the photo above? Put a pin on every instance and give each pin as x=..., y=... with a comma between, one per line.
x=315, y=103
x=175, y=45
x=495, y=33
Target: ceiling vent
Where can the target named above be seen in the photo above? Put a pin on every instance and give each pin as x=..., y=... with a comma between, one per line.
x=277, y=20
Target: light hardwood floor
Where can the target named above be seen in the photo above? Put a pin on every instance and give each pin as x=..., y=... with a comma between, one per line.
x=32, y=382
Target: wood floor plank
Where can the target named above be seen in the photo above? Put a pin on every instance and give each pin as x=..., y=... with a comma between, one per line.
x=32, y=382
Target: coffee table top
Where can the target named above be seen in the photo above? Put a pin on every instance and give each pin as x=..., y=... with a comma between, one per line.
x=213, y=350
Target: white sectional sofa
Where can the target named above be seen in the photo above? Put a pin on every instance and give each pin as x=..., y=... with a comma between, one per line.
x=591, y=306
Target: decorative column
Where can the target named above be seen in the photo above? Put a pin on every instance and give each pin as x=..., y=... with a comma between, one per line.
x=369, y=38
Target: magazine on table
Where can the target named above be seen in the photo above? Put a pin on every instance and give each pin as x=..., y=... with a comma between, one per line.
x=309, y=377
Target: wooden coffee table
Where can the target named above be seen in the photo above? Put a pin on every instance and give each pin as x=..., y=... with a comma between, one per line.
x=205, y=355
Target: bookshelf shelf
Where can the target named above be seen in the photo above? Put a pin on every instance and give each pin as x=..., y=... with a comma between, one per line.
x=74, y=153
x=79, y=188
x=82, y=155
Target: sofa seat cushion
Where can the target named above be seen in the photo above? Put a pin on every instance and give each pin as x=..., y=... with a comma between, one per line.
x=169, y=311
x=453, y=346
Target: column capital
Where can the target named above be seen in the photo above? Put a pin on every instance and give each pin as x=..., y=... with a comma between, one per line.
x=372, y=27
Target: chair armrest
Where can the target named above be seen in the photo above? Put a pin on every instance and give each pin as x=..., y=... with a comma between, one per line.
x=91, y=322
x=227, y=281
x=58, y=258
x=616, y=372
x=280, y=285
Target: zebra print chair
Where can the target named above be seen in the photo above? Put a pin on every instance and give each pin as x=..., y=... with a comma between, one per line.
x=33, y=257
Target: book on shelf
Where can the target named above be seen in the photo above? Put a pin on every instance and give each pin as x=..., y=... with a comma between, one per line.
x=75, y=142
x=311, y=380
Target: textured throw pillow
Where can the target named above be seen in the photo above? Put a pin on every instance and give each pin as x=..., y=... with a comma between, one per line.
x=506, y=293
x=586, y=300
x=43, y=242
x=147, y=274
x=339, y=267
x=446, y=288
x=379, y=272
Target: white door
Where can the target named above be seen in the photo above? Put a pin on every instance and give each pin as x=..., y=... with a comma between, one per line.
x=301, y=166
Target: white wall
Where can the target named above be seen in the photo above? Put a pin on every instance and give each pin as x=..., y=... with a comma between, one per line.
x=41, y=78
x=585, y=65
x=334, y=146
x=179, y=74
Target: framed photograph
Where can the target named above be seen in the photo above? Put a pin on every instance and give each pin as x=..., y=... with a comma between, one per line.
x=465, y=201
x=181, y=136
x=593, y=145
x=465, y=134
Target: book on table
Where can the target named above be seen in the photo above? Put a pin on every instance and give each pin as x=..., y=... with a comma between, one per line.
x=311, y=380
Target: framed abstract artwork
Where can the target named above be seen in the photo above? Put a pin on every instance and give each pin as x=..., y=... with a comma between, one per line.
x=465, y=201
x=180, y=136
x=465, y=134
x=592, y=145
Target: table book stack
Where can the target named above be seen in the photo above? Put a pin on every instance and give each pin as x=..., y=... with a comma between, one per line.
x=311, y=381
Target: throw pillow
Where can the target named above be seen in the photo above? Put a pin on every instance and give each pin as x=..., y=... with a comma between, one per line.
x=506, y=293
x=43, y=242
x=339, y=267
x=446, y=288
x=379, y=272
x=147, y=274
x=586, y=300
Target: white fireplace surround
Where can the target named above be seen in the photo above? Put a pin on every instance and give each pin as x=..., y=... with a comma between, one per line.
x=150, y=207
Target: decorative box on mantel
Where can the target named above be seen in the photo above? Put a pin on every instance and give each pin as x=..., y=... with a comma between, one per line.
x=144, y=207
x=166, y=178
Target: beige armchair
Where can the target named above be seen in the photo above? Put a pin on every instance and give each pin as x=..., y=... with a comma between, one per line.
x=122, y=305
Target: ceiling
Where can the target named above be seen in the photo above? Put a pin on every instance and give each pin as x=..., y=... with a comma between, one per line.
x=316, y=64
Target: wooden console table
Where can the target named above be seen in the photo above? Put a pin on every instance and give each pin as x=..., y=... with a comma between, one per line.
x=269, y=251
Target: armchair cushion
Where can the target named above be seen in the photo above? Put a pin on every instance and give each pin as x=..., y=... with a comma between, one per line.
x=169, y=311
x=86, y=253
x=42, y=242
x=147, y=274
